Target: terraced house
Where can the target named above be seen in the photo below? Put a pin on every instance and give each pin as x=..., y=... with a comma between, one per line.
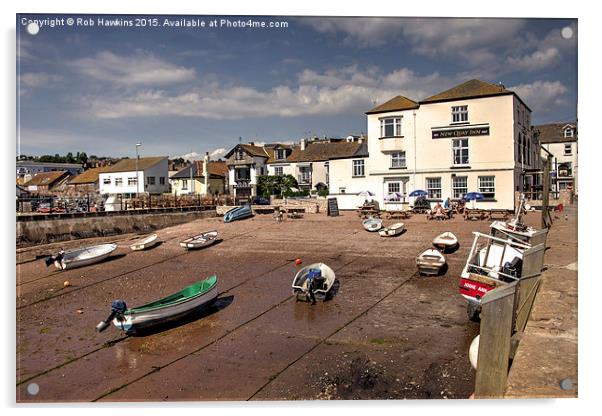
x=474, y=137
x=560, y=139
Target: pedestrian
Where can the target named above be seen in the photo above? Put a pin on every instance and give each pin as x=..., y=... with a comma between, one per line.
x=448, y=207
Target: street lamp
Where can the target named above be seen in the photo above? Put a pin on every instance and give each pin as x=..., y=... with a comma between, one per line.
x=137, y=176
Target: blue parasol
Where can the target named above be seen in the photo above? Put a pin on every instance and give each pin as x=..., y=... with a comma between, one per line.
x=418, y=192
x=474, y=196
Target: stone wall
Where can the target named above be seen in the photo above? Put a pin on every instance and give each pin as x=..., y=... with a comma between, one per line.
x=50, y=230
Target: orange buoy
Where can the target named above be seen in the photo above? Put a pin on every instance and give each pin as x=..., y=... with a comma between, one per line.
x=66, y=283
x=298, y=262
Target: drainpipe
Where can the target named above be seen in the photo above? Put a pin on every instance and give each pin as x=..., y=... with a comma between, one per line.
x=415, y=187
x=206, y=172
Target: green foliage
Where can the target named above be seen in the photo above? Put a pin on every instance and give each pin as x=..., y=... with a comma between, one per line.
x=276, y=185
x=323, y=192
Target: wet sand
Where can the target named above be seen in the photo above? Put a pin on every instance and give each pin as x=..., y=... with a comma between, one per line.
x=387, y=334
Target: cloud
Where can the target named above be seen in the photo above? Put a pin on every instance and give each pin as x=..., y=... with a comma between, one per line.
x=213, y=154
x=362, y=31
x=538, y=60
x=37, y=79
x=542, y=96
x=332, y=92
x=142, y=68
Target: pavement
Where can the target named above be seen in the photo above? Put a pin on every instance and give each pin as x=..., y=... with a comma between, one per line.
x=545, y=364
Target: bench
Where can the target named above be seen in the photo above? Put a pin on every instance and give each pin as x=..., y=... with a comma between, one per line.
x=398, y=214
x=474, y=214
x=501, y=214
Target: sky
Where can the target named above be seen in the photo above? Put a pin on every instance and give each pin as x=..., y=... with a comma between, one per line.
x=184, y=91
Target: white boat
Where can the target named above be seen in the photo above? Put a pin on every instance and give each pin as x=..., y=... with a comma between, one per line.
x=372, y=224
x=81, y=257
x=430, y=262
x=325, y=278
x=517, y=230
x=200, y=241
x=145, y=243
x=492, y=262
x=445, y=241
x=176, y=306
x=392, y=230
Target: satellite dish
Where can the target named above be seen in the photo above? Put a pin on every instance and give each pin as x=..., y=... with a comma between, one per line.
x=473, y=352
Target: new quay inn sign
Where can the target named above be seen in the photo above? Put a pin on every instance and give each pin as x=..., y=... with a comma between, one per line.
x=467, y=132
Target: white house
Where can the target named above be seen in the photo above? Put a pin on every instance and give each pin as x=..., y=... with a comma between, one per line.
x=245, y=162
x=208, y=178
x=560, y=139
x=474, y=137
x=128, y=177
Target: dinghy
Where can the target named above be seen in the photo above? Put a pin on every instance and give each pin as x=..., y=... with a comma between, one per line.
x=145, y=243
x=200, y=241
x=187, y=301
x=445, y=241
x=238, y=213
x=324, y=279
x=81, y=257
x=391, y=230
x=430, y=262
x=372, y=224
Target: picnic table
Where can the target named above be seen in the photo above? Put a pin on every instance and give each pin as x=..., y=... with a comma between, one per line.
x=501, y=214
x=401, y=214
x=474, y=214
x=368, y=210
x=438, y=216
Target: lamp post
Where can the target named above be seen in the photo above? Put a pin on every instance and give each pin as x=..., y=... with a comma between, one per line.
x=137, y=176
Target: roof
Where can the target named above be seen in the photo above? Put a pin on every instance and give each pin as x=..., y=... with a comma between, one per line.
x=271, y=148
x=47, y=178
x=250, y=149
x=554, y=133
x=397, y=103
x=89, y=176
x=321, y=151
x=216, y=170
x=129, y=165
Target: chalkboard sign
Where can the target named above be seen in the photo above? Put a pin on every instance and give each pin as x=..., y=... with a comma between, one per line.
x=333, y=207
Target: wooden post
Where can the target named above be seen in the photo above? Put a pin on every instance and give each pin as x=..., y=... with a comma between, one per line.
x=545, y=213
x=497, y=315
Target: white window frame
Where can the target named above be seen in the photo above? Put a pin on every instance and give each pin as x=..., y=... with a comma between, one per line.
x=568, y=132
x=358, y=168
x=459, y=114
x=399, y=184
x=280, y=154
x=458, y=146
x=184, y=184
x=457, y=188
x=106, y=181
x=489, y=184
x=278, y=170
x=568, y=146
x=395, y=122
x=119, y=182
x=398, y=160
x=434, y=192
x=132, y=180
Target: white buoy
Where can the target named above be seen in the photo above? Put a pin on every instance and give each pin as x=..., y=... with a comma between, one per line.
x=473, y=352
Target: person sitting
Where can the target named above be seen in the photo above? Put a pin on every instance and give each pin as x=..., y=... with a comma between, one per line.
x=438, y=211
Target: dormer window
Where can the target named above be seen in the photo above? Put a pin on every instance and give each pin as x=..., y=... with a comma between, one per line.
x=460, y=114
x=568, y=132
x=280, y=154
x=390, y=127
x=240, y=154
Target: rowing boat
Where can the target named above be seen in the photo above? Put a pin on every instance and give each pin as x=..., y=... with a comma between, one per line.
x=430, y=262
x=185, y=302
x=81, y=257
x=445, y=241
x=200, y=241
x=145, y=243
x=325, y=278
x=392, y=230
x=238, y=213
x=372, y=224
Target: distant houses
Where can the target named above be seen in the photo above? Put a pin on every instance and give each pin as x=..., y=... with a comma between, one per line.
x=131, y=177
x=43, y=183
x=202, y=177
x=560, y=139
x=27, y=169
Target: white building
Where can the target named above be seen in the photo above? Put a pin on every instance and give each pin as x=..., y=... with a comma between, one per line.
x=208, y=178
x=475, y=137
x=245, y=162
x=560, y=139
x=128, y=177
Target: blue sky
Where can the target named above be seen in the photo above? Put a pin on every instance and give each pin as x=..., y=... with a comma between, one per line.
x=182, y=90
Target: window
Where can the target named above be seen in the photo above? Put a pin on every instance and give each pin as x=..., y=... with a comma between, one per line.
x=106, y=181
x=342, y=190
x=433, y=188
x=150, y=180
x=358, y=168
x=393, y=187
x=459, y=186
x=242, y=174
x=460, y=114
x=304, y=174
x=118, y=181
x=161, y=180
x=279, y=171
x=184, y=184
x=568, y=132
x=398, y=159
x=487, y=186
x=390, y=127
x=280, y=154
x=240, y=154
x=568, y=149
x=132, y=181
x=460, y=151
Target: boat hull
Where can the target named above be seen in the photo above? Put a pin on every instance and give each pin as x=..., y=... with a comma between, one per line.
x=195, y=246
x=144, y=244
x=200, y=241
x=238, y=213
x=299, y=285
x=135, y=322
x=445, y=242
x=394, y=230
x=67, y=263
x=372, y=225
x=430, y=263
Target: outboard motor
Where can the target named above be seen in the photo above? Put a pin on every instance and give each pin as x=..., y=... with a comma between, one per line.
x=59, y=257
x=513, y=268
x=315, y=276
x=118, y=308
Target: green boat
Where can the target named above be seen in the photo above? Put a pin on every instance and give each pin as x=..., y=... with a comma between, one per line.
x=189, y=300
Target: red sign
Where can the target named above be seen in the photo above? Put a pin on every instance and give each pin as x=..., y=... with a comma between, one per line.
x=474, y=289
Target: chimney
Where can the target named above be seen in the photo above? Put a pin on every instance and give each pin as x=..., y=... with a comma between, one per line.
x=206, y=172
x=302, y=144
x=252, y=143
